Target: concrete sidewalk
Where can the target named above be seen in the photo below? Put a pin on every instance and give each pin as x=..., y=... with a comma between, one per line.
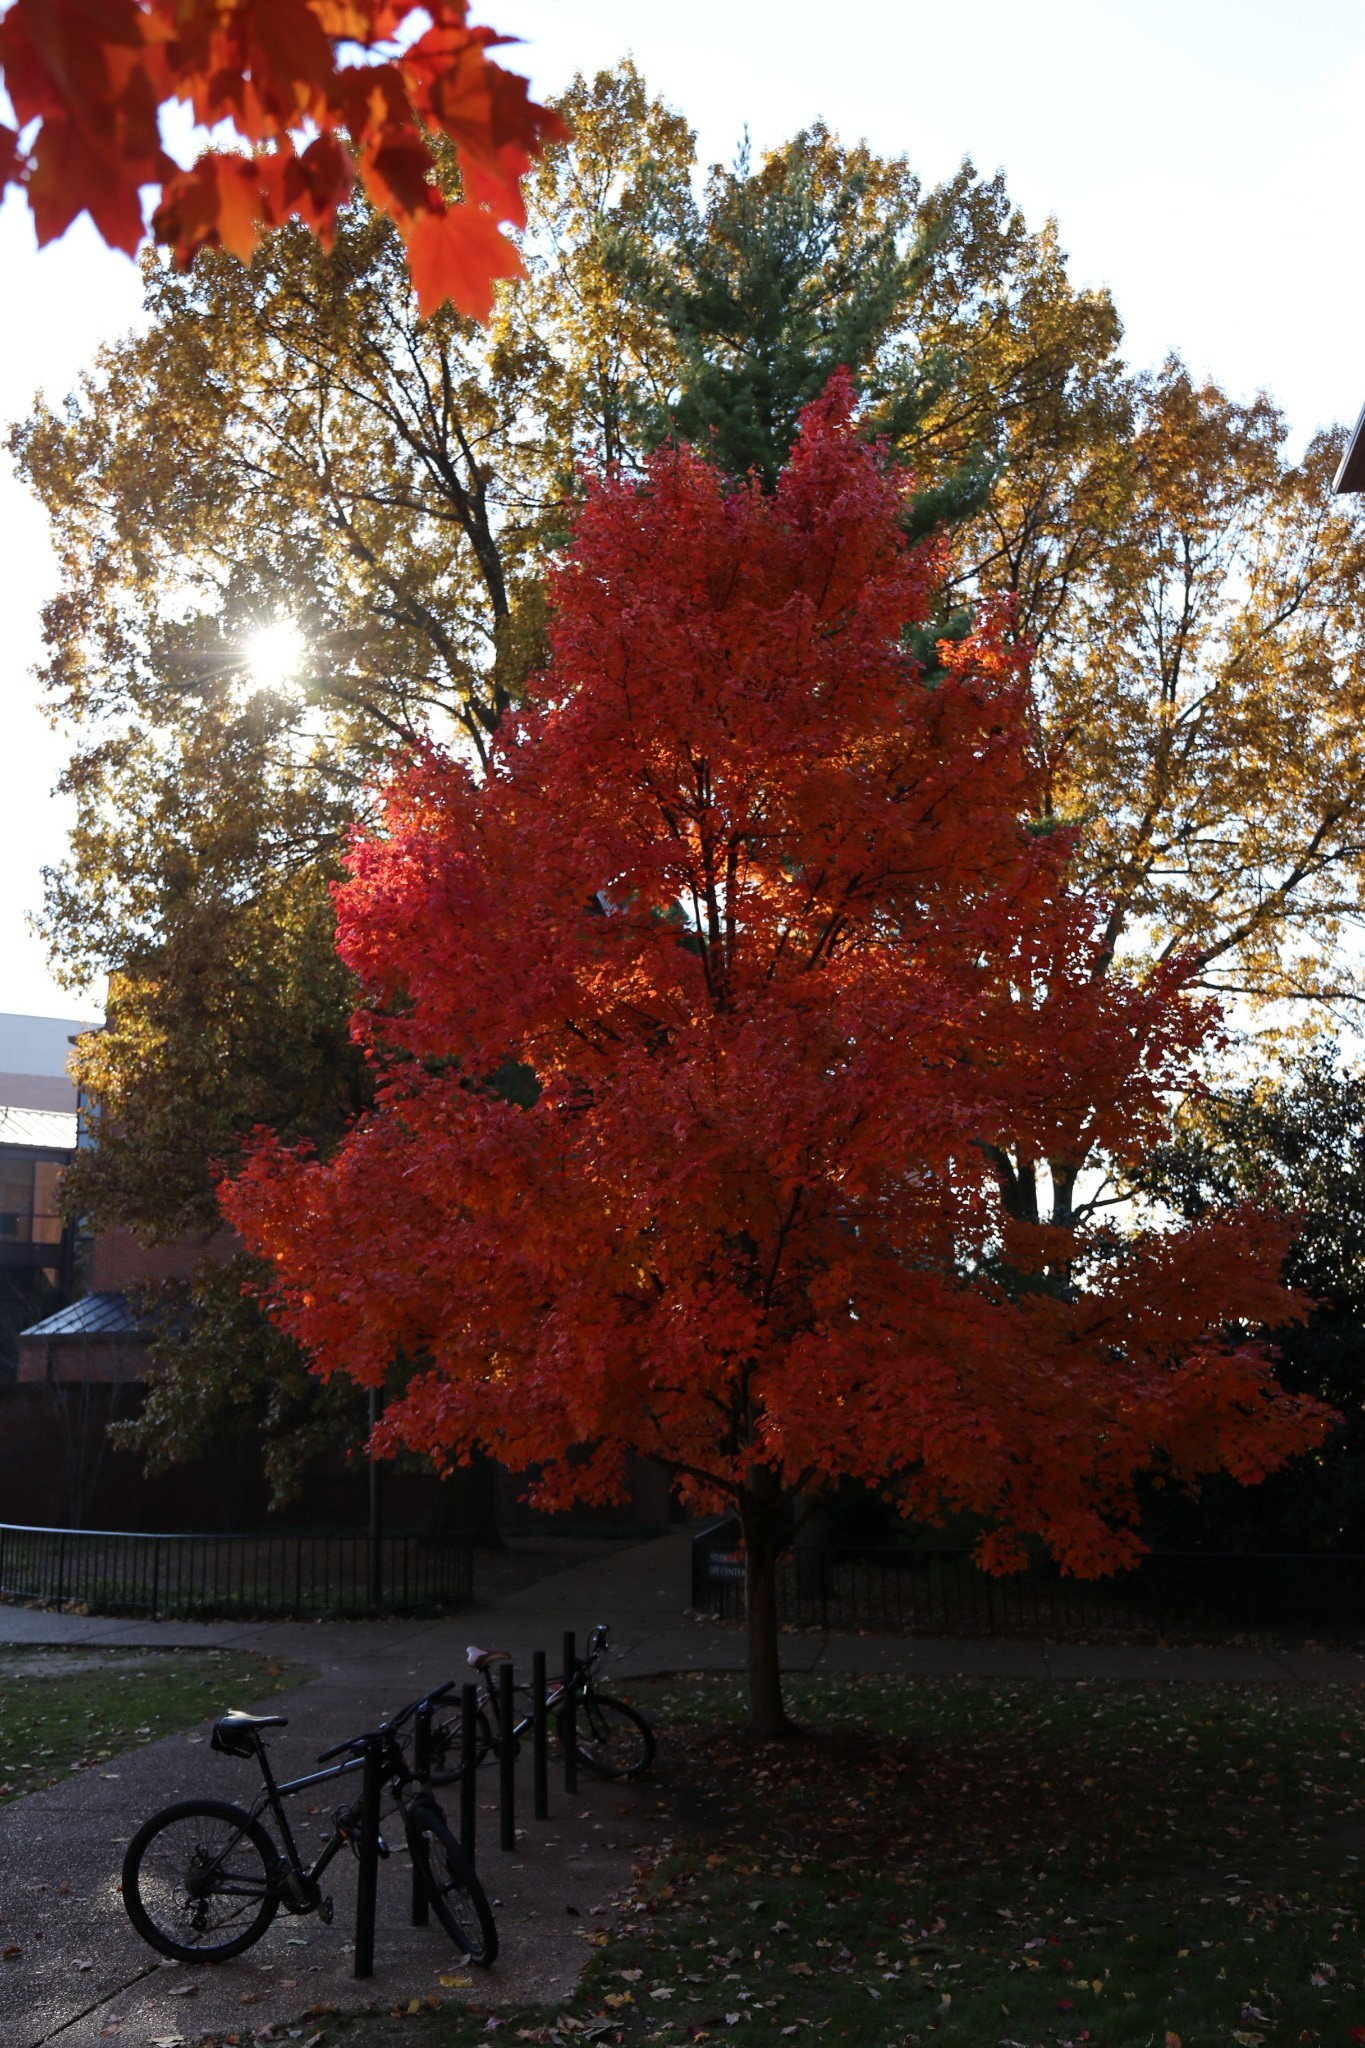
x=82, y=1977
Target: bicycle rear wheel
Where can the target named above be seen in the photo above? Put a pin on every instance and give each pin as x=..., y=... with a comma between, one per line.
x=446, y=1738
x=199, y=1881
x=452, y=1886
x=613, y=1740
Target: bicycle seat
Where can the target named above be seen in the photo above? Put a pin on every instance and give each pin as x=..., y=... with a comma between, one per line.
x=480, y=1660
x=236, y=1733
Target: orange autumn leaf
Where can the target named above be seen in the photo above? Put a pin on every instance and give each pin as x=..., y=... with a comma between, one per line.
x=457, y=254
x=321, y=94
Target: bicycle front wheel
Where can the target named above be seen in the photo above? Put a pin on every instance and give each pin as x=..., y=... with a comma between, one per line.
x=452, y=1886
x=613, y=1740
x=199, y=1881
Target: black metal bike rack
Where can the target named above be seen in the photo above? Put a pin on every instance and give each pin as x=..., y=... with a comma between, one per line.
x=367, y=1884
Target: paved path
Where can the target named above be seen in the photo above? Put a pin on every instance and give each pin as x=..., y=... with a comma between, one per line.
x=82, y=1977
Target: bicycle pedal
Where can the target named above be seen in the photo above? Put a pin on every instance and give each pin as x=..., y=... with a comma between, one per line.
x=382, y=1845
x=325, y=1912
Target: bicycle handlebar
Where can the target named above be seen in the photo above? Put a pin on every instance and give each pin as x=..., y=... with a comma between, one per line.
x=358, y=1744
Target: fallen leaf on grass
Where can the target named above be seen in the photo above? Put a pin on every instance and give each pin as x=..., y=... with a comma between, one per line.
x=1172, y=2041
x=1247, y=2040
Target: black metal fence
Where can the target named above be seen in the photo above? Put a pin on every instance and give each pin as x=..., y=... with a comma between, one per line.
x=118, y=1572
x=941, y=1592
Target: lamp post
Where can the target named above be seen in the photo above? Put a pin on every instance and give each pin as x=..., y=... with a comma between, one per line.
x=376, y=1559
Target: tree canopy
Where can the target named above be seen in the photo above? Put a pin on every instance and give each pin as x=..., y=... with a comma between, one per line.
x=760, y=916
x=385, y=490
x=1292, y=1142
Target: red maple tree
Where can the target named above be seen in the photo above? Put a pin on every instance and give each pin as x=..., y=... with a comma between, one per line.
x=322, y=93
x=701, y=1018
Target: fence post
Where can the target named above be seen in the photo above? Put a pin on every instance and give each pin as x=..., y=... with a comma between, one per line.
x=469, y=1743
x=61, y=1568
x=507, y=1756
x=367, y=1883
x=156, y=1575
x=568, y=1720
x=540, y=1738
x=421, y=1765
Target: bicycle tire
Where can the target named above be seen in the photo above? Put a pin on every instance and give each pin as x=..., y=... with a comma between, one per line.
x=446, y=1738
x=164, y=1893
x=613, y=1741
x=451, y=1883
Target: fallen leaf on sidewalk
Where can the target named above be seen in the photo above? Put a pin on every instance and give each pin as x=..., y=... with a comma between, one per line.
x=81, y=1964
x=11, y=1951
x=457, y=1983
x=182, y=1991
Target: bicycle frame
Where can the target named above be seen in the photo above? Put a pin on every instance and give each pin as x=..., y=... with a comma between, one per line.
x=299, y=1881
x=272, y=1798
x=579, y=1684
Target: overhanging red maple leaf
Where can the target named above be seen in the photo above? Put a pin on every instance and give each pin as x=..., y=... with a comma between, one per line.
x=322, y=93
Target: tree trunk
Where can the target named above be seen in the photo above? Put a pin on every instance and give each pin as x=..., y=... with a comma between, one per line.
x=760, y=1515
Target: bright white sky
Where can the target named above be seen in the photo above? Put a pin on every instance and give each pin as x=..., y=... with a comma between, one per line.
x=1204, y=158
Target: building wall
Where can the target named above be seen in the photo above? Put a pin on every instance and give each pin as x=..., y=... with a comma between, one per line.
x=56, y=1471
x=33, y=1059
x=70, y=1361
x=118, y=1261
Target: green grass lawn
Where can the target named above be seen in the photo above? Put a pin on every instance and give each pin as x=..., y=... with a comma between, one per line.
x=62, y=1711
x=975, y=1863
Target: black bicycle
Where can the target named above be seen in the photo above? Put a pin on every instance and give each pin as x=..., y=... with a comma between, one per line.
x=204, y=1879
x=612, y=1739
